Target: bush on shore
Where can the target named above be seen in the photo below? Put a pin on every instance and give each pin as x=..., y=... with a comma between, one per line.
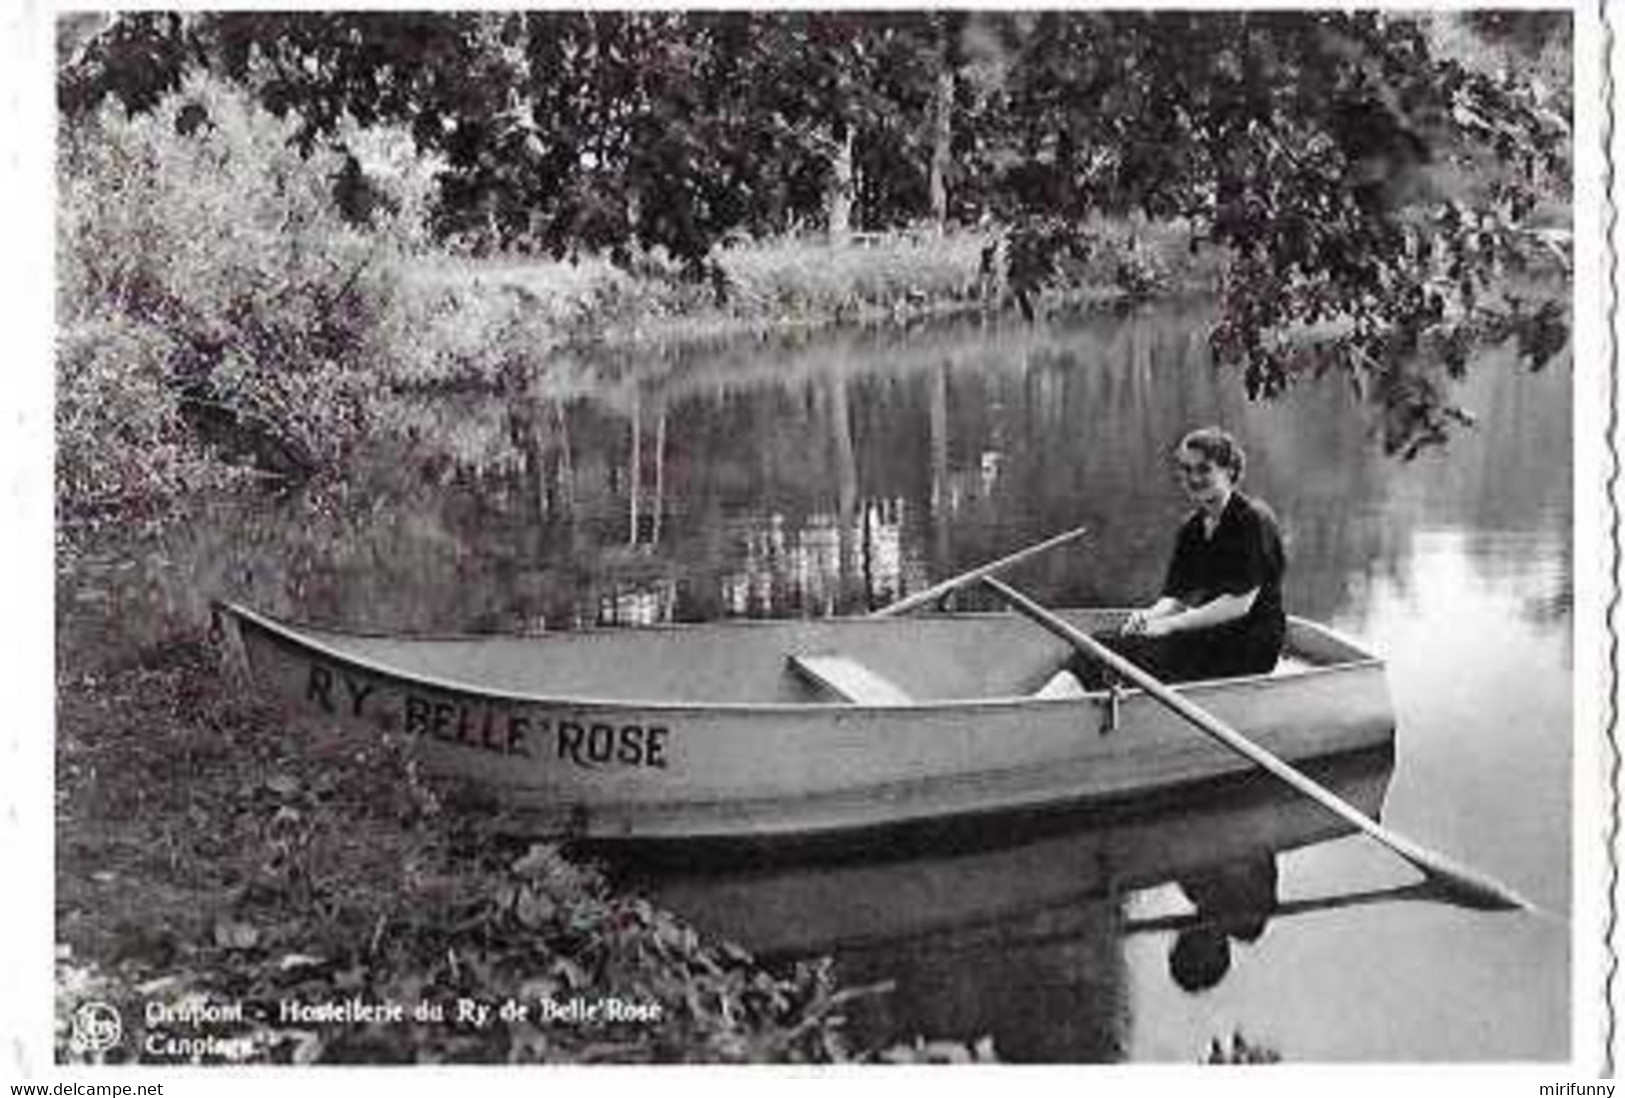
x=209, y=290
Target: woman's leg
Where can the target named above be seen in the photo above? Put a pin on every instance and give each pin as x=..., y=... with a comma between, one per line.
x=1183, y=657
x=1220, y=654
x=1167, y=659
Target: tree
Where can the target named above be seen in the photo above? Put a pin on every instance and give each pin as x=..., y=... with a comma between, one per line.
x=1363, y=182
x=942, y=124
x=1359, y=183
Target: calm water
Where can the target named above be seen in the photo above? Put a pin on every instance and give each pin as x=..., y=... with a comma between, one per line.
x=833, y=474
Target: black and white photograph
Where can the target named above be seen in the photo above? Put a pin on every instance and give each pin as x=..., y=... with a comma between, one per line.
x=820, y=536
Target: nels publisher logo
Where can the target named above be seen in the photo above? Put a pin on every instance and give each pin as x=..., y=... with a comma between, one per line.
x=97, y=1027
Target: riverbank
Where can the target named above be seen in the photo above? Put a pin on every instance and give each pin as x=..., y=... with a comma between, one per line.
x=485, y=322
x=240, y=892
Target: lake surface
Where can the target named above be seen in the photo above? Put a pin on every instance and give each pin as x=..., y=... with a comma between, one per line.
x=835, y=472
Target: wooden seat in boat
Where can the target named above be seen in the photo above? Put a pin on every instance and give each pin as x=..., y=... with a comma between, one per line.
x=848, y=680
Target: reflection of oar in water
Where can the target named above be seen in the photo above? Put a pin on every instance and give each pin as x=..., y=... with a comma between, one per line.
x=938, y=590
x=1425, y=891
x=1465, y=886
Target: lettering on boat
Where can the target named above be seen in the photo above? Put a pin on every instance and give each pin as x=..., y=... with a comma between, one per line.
x=488, y=727
x=321, y=688
x=494, y=726
x=595, y=744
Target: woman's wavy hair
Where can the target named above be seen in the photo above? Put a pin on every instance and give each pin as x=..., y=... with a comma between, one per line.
x=1218, y=446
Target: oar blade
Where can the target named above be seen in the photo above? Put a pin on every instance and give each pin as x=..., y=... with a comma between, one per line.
x=1468, y=888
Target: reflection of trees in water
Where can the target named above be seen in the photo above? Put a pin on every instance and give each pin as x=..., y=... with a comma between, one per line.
x=880, y=461
x=1050, y=988
x=1553, y=607
x=1514, y=472
x=1517, y=480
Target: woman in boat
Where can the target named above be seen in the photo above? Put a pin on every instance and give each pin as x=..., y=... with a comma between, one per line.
x=1220, y=613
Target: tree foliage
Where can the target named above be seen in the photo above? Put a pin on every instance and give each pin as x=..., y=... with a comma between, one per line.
x=1363, y=180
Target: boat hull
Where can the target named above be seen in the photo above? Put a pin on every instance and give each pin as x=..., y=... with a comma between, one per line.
x=660, y=770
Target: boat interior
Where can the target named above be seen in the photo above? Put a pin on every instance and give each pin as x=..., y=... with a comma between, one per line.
x=864, y=661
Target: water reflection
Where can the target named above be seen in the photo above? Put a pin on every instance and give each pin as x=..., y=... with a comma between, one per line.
x=847, y=474
x=1233, y=901
x=1012, y=932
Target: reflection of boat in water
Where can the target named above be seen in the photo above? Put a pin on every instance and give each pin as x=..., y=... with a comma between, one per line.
x=795, y=729
x=809, y=907
x=1020, y=943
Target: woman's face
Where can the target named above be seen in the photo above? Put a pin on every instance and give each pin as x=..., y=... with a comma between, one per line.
x=1206, y=484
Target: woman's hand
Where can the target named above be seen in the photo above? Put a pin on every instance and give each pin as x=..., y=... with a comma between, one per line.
x=1146, y=623
x=1152, y=621
x=1158, y=627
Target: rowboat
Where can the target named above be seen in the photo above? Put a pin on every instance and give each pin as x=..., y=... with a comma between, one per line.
x=765, y=730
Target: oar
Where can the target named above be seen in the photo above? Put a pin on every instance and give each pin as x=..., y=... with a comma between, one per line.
x=1465, y=886
x=936, y=591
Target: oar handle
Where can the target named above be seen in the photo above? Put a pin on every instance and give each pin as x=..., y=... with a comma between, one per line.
x=953, y=583
x=1468, y=886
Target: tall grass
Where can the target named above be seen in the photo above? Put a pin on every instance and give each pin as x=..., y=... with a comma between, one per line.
x=883, y=274
x=486, y=319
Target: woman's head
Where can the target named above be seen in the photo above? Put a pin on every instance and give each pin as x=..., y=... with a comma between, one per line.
x=1217, y=446
x=1211, y=463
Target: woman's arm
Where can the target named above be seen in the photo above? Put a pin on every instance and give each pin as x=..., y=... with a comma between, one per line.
x=1162, y=608
x=1215, y=612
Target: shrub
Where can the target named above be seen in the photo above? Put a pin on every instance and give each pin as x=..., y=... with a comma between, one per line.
x=119, y=439
x=209, y=290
